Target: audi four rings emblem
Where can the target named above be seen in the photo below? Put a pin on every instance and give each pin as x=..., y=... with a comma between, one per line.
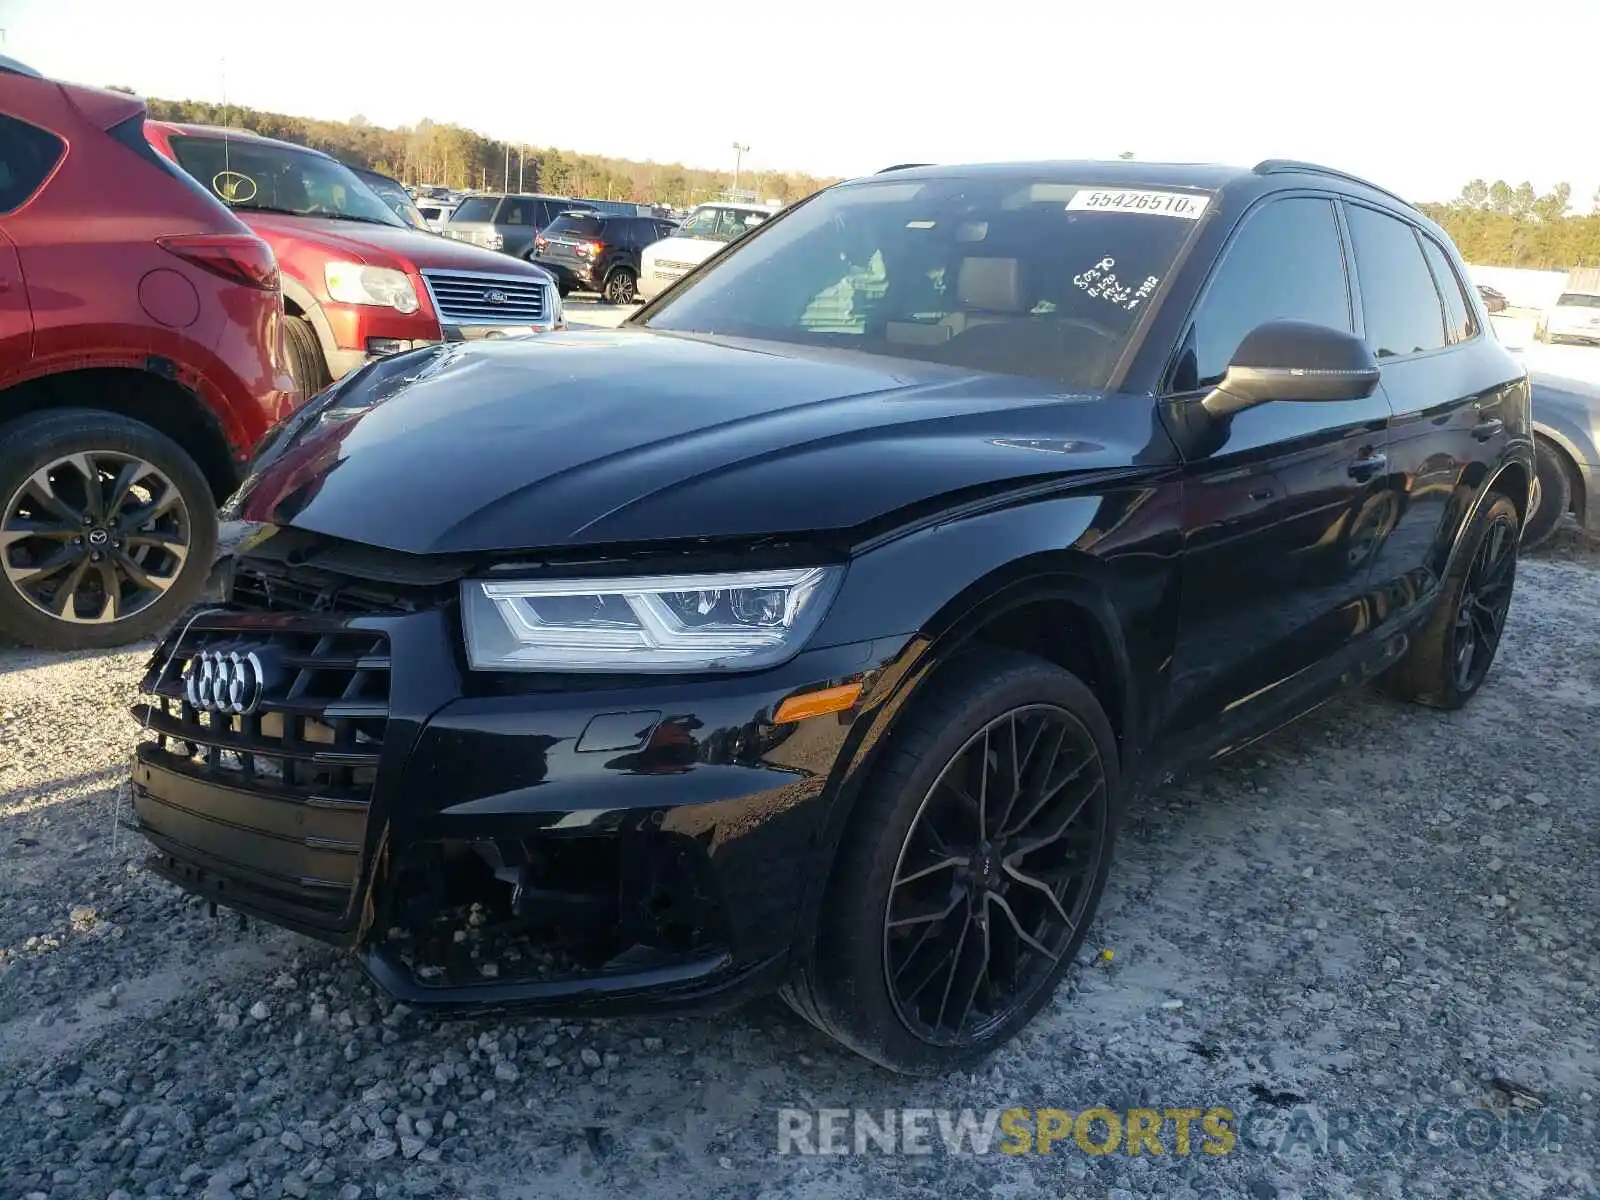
x=229, y=681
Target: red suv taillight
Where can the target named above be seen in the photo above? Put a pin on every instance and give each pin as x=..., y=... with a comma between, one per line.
x=539, y=242
x=240, y=257
x=592, y=249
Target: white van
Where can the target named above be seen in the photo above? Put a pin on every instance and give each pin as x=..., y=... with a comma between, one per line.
x=708, y=228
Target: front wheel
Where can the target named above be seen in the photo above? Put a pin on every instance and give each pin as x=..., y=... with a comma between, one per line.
x=1554, y=494
x=107, y=533
x=971, y=868
x=1451, y=655
x=307, y=367
x=620, y=286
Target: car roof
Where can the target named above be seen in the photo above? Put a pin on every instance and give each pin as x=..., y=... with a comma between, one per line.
x=516, y=196
x=738, y=205
x=237, y=135
x=1271, y=174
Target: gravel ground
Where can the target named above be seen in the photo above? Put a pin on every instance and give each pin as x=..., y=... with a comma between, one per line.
x=1379, y=910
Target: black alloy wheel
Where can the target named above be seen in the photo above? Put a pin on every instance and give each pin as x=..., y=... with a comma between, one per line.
x=995, y=874
x=1450, y=655
x=970, y=867
x=1484, y=601
x=107, y=529
x=619, y=286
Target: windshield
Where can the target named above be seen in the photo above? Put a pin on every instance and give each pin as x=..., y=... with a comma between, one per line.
x=476, y=208
x=396, y=197
x=714, y=223
x=257, y=175
x=1045, y=279
x=1578, y=300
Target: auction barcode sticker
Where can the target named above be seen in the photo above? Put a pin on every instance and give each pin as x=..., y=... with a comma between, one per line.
x=1160, y=204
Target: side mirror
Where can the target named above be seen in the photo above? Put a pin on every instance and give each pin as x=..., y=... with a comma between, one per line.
x=1294, y=360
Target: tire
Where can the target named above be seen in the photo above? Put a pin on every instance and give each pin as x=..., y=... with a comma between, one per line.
x=620, y=286
x=171, y=553
x=1555, y=494
x=850, y=986
x=306, y=364
x=1479, y=584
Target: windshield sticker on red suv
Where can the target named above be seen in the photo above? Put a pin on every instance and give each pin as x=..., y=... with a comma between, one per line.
x=1158, y=204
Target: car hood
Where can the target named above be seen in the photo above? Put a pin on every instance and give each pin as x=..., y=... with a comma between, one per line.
x=627, y=436
x=386, y=245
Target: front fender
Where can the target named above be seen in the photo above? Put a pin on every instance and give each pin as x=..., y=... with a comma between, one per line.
x=1113, y=557
x=311, y=308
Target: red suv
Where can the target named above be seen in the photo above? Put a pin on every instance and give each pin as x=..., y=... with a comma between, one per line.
x=141, y=359
x=358, y=283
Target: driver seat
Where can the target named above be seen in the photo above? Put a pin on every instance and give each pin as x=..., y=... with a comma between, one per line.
x=989, y=291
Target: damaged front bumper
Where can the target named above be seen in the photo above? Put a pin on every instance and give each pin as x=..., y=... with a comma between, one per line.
x=488, y=842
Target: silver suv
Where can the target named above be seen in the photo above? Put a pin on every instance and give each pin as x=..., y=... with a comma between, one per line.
x=503, y=221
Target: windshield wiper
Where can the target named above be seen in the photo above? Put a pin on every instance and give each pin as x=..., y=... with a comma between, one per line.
x=267, y=208
x=353, y=217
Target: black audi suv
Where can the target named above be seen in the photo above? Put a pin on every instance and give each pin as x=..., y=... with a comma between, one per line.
x=810, y=631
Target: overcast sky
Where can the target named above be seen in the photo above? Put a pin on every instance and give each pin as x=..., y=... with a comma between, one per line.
x=1419, y=95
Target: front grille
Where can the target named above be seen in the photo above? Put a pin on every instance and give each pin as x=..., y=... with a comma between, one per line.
x=663, y=265
x=275, y=799
x=265, y=586
x=466, y=298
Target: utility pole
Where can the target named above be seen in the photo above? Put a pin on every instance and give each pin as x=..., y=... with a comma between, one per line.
x=522, y=161
x=738, y=158
x=505, y=185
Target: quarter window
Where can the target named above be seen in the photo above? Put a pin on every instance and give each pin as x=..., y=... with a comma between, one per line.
x=1286, y=263
x=1459, y=315
x=27, y=155
x=1397, y=294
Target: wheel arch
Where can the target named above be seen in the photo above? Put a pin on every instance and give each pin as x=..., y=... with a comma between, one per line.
x=1570, y=457
x=1055, y=604
x=299, y=302
x=158, y=400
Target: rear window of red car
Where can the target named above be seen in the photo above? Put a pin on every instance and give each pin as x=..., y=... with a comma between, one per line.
x=27, y=156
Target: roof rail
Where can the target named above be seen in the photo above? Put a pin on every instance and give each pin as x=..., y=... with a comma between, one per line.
x=1287, y=166
x=902, y=167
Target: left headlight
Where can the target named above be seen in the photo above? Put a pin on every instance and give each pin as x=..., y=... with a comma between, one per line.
x=356, y=283
x=740, y=621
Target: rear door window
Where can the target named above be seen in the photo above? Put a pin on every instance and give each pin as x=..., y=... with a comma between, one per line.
x=549, y=210
x=1402, y=307
x=1286, y=262
x=476, y=208
x=1460, y=320
x=519, y=212
x=27, y=156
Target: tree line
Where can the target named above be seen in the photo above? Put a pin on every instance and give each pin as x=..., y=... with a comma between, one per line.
x=432, y=153
x=1497, y=225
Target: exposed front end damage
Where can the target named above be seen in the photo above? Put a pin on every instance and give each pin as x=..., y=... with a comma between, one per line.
x=504, y=843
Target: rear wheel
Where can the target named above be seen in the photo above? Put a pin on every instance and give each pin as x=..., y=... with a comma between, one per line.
x=1451, y=655
x=306, y=364
x=971, y=869
x=107, y=532
x=1554, y=494
x=620, y=286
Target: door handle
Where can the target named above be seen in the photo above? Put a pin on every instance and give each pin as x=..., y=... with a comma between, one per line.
x=1485, y=430
x=1364, y=469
